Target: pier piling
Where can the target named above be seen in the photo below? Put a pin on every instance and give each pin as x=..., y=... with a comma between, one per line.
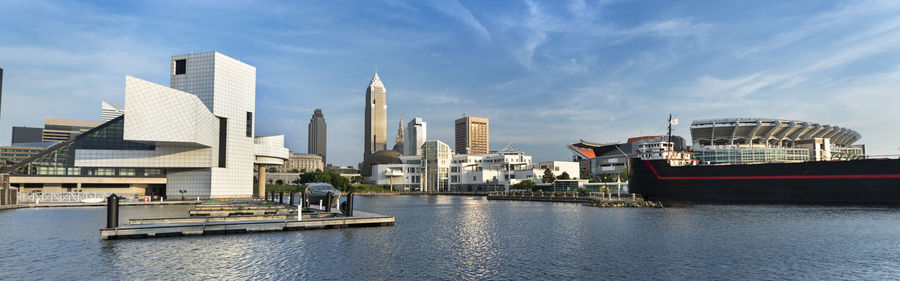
x=329, y=197
x=291, y=199
x=303, y=201
x=112, y=211
x=350, y=204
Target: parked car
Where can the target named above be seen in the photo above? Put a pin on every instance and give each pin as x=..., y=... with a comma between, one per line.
x=319, y=190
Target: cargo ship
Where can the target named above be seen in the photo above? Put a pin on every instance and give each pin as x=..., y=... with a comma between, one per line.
x=660, y=172
x=851, y=181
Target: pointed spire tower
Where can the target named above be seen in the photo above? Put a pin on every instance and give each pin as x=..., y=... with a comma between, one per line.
x=375, y=122
x=398, y=142
x=399, y=138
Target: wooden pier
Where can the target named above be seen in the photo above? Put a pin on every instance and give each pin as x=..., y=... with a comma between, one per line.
x=221, y=217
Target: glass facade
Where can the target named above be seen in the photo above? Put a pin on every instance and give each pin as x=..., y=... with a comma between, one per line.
x=751, y=155
x=59, y=160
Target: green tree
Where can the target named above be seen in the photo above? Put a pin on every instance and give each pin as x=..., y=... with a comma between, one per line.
x=548, y=176
x=624, y=175
x=564, y=176
x=586, y=176
x=356, y=179
x=524, y=185
x=279, y=182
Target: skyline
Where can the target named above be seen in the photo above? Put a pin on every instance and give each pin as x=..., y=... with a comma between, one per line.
x=544, y=73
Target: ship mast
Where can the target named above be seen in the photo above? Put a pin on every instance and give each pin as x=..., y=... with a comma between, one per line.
x=669, y=139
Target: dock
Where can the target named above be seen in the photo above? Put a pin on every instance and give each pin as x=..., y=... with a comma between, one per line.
x=226, y=217
x=565, y=197
x=359, y=219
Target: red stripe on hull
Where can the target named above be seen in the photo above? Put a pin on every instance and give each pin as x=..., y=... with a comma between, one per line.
x=882, y=176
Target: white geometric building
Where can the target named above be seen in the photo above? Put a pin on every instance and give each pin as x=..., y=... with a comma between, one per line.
x=198, y=134
x=109, y=111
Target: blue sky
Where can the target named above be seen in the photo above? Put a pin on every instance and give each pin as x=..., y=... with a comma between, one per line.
x=545, y=72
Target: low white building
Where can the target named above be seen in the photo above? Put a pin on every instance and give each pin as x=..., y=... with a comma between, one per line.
x=468, y=172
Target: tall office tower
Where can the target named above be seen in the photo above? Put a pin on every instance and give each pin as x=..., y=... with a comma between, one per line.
x=398, y=141
x=317, y=135
x=63, y=129
x=415, y=137
x=227, y=87
x=472, y=135
x=376, y=118
x=109, y=111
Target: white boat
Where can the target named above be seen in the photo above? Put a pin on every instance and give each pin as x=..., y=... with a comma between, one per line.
x=92, y=200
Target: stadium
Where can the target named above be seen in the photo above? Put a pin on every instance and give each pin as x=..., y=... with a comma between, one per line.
x=762, y=132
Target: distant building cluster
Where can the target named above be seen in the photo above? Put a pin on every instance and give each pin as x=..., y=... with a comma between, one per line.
x=416, y=163
x=438, y=169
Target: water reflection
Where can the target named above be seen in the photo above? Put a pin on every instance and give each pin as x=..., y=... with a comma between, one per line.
x=447, y=237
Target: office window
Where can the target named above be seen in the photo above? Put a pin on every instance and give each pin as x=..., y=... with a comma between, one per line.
x=223, y=137
x=249, y=124
x=180, y=67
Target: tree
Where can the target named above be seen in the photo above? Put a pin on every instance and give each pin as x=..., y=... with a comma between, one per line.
x=586, y=176
x=624, y=175
x=524, y=185
x=564, y=176
x=548, y=176
x=279, y=182
x=356, y=179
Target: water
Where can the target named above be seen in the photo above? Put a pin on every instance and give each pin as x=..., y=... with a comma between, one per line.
x=452, y=237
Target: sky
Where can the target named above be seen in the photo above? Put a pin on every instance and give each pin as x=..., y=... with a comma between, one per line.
x=546, y=73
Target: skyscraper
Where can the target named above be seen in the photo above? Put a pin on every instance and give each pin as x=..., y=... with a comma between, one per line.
x=415, y=137
x=472, y=135
x=398, y=141
x=317, y=135
x=376, y=118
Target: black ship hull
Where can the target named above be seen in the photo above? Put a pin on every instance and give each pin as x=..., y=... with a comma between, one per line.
x=855, y=182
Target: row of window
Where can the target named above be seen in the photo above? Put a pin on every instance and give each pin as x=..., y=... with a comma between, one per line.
x=69, y=171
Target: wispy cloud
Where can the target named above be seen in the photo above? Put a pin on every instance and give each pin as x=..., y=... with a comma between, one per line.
x=455, y=9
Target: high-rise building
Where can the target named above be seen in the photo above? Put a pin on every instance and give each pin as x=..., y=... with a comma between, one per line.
x=109, y=111
x=415, y=137
x=317, y=135
x=376, y=121
x=472, y=135
x=398, y=141
x=63, y=129
x=26, y=135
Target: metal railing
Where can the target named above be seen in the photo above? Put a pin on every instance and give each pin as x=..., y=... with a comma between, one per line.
x=34, y=197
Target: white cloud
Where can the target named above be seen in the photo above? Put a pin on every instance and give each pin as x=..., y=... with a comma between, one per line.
x=457, y=10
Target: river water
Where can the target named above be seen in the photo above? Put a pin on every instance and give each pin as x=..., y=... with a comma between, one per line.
x=454, y=237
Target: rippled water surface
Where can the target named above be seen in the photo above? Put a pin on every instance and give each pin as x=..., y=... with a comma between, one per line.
x=448, y=237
